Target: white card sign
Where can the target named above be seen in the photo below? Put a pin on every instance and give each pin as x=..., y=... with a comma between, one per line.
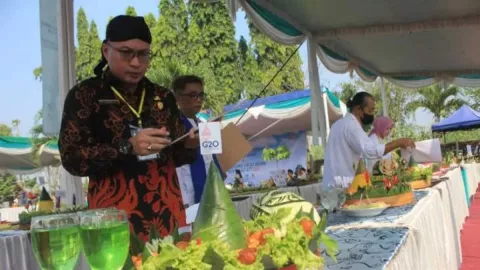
x=210, y=138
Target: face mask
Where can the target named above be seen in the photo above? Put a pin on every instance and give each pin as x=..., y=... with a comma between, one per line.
x=367, y=119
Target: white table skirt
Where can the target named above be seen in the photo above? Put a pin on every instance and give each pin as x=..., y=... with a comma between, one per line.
x=11, y=214
x=16, y=253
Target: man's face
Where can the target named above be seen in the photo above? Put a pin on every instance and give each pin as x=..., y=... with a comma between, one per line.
x=369, y=107
x=191, y=98
x=128, y=60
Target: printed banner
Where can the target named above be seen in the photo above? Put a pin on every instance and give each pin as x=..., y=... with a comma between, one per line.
x=255, y=170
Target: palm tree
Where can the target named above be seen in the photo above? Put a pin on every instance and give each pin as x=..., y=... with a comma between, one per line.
x=167, y=71
x=439, y=101
x=474, y=96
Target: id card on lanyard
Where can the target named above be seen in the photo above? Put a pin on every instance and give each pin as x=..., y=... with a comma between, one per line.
x=133, y=129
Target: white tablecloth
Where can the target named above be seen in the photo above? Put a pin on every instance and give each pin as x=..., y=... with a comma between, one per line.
x=11, y=214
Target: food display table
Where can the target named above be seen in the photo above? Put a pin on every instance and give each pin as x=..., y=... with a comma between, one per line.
x=424, y=235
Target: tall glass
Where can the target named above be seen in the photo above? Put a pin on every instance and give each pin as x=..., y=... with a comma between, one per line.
x=106, y=238
x=56, y=241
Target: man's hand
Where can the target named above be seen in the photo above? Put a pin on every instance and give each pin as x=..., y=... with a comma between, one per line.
x=193, y=141
x=149, y=140
x=406, y=143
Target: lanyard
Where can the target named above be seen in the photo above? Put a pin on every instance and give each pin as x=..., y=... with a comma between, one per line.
x=140, y=106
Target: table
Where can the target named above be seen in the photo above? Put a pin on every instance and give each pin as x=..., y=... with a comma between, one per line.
x=424, y=236
x=11, y=214
x=433, y=222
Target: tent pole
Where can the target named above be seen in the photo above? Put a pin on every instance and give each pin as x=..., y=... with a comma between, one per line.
x=327, y=119
x=384, y=97
x=317, y=104
x=312, y=61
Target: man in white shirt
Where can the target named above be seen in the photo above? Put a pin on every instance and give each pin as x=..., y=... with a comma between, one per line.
x=348, y=142
x=190, y=96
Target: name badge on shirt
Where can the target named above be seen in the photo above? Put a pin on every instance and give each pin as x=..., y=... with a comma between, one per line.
x=133, y=131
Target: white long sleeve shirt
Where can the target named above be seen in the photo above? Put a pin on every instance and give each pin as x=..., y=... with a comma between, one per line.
x=347, y=142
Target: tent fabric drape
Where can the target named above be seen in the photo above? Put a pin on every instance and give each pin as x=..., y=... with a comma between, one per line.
x=283, y=32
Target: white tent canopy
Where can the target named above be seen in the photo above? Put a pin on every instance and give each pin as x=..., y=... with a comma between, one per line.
x=282, y=113
x=411, y=43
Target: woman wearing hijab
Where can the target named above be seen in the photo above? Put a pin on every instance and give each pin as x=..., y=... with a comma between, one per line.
x=382, y=126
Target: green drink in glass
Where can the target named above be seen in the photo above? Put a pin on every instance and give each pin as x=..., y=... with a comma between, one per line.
x=56, y=241
x=106, y=238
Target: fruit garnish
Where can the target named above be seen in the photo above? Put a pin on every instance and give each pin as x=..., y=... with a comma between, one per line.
x=182, y=245
x=307, y=225
x=247, y=256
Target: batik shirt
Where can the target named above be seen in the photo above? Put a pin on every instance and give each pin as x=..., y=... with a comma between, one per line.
x=94, y=122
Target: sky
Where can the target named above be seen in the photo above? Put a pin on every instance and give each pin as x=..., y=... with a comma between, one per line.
x=21, y=94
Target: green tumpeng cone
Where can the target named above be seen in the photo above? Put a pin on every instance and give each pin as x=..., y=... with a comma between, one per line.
x=217, y=217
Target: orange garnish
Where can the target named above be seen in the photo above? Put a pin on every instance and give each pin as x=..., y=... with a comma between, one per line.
x=247, y=256
x=307, y=225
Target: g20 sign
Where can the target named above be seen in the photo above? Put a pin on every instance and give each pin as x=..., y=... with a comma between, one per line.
x=210, y=144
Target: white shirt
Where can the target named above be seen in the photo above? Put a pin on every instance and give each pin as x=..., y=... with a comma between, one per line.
x=371, y=162
x=347, y=142
x=185, y=177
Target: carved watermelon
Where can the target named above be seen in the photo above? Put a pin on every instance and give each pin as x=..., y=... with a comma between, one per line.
x=275, y=200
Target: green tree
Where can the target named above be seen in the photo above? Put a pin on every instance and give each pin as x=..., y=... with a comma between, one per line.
x=249, y=73
x=5, y=130
x=213, y=52
x=439, y=101
x=169, y=69
x=82, y=52
x=9, y=188
x=172, y=31
x=151, y=21
x=270, y=56
x=87, y=54
x=348, y=91
x=130, y=11
x=30, y=183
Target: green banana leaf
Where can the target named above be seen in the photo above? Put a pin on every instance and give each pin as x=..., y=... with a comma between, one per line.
x=412, y=162
x=44, y=195
x=217, y=217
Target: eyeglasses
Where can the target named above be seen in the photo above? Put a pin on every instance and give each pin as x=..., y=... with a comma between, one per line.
x=128, y=54
x=201, y=95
